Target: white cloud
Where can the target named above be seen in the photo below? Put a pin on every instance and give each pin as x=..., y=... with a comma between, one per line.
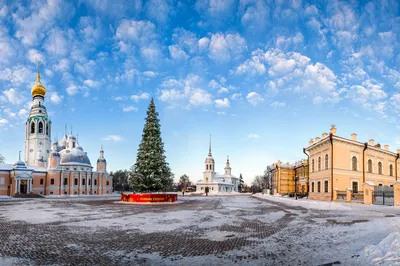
x=222, y=103
x=158, y=10
x=131, y=32
x=119, y=98
x=9, y=113
x=129, y=108
x=91, y=83
x=3, y=122
x=221, y=113
x=56, y=98
x=62, y=66
x=200, y=97
x=253, y=136
x=236, y=96
x=142, y=96
x=184, y=93
x=278, y=104
x=23, y=113
x=115, y=138
x=12, y=96
x=254, y=98
x=35, y=56
x=72, y=90
x=177, y=53
x=224, y=48
x=254, y=15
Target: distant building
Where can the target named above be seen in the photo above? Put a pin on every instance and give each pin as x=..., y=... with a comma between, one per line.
x=283, y=178
x=214, y=182
x=339, y=165
x=61, y=168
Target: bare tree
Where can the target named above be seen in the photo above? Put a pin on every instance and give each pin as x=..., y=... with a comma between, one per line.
x=2, y=159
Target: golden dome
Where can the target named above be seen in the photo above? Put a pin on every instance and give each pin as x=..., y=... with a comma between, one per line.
x=38, y=89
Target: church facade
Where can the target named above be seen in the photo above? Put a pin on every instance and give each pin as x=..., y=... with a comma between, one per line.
x=61, y=168
x=215, y=183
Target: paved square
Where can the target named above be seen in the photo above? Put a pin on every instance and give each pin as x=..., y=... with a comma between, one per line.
x=198, y=231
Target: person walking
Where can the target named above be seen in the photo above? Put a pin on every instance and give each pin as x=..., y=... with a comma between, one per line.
x=183, y=192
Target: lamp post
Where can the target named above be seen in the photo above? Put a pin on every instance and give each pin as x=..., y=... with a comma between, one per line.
x=296, y=178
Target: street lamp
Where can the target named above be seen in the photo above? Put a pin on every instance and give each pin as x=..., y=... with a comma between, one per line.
x=295, y=186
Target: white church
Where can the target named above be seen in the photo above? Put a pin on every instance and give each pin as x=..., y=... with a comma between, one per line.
x=215, y=183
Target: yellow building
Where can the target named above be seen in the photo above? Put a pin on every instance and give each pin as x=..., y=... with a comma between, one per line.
x=339, y=166
x=283, y=178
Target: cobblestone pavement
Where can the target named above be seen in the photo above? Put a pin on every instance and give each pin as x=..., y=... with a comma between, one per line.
x=200, y=231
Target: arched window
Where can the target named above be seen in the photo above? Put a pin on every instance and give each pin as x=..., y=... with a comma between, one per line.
x=391, y=170
x=319, y=163
x=312, y=165
x=326, y=161
x=206, y=166
x=40, y=127
x=33, y=128
x=47, y=129
x=369, y=166
x=380, y=168
x=354, y=163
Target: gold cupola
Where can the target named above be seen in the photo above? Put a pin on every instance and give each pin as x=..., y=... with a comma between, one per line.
x=38, y=89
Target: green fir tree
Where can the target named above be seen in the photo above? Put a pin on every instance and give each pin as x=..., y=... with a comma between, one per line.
x=151, y=172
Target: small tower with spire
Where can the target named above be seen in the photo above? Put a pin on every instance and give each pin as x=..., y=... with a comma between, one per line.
x=228, y=169
x=209, y=173
x=101, y=162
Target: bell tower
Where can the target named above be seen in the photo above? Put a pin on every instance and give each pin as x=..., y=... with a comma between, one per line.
x=228, y=169
x=38, y=128
x=101, y=162
x=209, y=173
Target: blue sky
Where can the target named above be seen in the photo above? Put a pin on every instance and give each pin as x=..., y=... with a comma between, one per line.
x=261, y=76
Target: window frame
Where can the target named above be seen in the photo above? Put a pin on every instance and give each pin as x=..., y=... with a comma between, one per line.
x=319, y=186
x=52, y=181
x=326, y=186
x=326, y=161
x=40, y=129
x=354, y=184
x=380, y=168
x=369, y=166
x=354, y=163
x=319, y=163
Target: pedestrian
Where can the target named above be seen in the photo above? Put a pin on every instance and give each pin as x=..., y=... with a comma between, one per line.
x=183, y=192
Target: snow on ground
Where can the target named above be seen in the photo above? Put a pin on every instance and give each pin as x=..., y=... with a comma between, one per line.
x=284, y=230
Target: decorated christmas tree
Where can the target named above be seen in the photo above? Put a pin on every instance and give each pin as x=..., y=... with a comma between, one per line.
x=151, y=172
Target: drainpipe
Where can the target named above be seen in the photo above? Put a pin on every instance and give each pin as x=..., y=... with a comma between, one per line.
x=308, y=165
x=45, y=184
x=365, y=147
x=395, y=165
x=278, y=187
x=331, y=140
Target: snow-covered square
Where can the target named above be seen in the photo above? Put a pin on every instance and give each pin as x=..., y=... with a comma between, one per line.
x=214, y=230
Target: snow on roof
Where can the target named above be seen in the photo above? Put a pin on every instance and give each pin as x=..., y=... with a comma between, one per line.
x=6, y=167
x=9, y=167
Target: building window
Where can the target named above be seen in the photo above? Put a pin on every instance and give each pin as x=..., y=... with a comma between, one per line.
x=41, y=192
x=90, y=182
x=51, y=192
x=206, y=166
x=95, y=182
x=76, y=182
x=312, y=187
x=319, y=186
x=107, y=183
x=75, y=169
x=73, y=146
x=65, y=192
x=312, y=165
x=1, y=180
x=83, y=182
x=355, y=187
x=40, y=127
x=76, y=192
x=65, y=181
x=391, y=170
x=380, y=184
x=47, y=129
x=354, y=163
x=326, y=186
x=52, y=181
x=319, y=163
x=41, y=181
x=326, y=161
x=369, y=166
x=380, y=168
x=33, y=128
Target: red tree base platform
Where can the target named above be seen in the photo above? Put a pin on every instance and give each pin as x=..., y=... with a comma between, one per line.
x=149, y=197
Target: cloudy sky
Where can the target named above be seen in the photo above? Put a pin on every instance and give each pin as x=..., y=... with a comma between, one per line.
x=263, y=77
